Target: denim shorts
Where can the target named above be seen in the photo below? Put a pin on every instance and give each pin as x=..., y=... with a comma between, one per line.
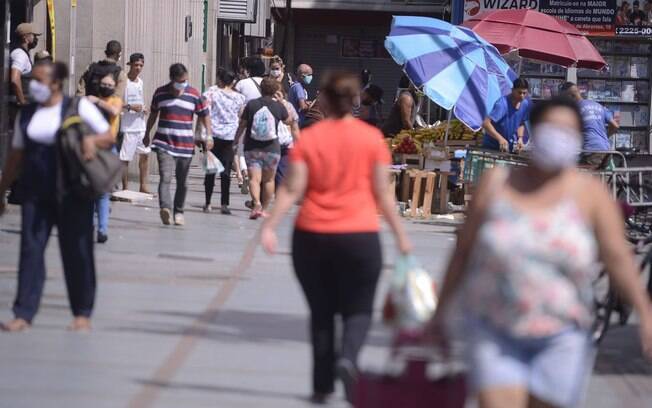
x=555, y=369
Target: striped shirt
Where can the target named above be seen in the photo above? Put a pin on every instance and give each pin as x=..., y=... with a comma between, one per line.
x=175, y=133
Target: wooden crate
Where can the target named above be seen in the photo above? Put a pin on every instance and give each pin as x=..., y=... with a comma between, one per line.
x=428, y=191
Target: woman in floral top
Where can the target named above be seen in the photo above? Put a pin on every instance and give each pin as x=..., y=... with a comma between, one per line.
x=525, y=263
x=225, y=106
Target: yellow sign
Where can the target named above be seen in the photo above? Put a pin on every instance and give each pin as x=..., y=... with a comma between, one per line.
x=73, y=3
x=53, y=35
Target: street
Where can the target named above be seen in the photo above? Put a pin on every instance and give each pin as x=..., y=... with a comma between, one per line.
x=199, y=316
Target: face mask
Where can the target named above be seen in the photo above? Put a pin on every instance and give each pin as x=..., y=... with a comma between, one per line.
x=180, y=86
x=307, y=79
x=105, y=92
x=39, y=92
x=33, y=44
x=275, y=73
x=555, y=147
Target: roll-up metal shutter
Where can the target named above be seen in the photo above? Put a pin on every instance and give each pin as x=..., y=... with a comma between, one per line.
x=237, y=10
x=321, y=46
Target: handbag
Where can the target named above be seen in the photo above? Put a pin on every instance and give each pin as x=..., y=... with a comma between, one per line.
x=414, y=386
x=87, y=179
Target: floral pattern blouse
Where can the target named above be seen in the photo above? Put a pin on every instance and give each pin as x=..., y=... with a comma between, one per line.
x=531, y=274
x=224, y=110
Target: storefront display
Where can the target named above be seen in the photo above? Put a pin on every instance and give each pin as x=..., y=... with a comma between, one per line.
x=625, y=42
x=624, y=88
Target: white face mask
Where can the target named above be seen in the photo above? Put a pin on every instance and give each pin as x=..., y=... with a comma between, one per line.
x=555, y=147
x=39, y=92
x=275, y=73
x=180, y=86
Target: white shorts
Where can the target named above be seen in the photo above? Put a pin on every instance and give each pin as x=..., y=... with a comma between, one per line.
x=132, y=143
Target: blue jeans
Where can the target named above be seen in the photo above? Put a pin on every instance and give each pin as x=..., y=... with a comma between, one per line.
x=103, y=209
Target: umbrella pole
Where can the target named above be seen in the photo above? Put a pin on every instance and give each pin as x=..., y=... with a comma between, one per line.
x=448, y=127
x=520, y=66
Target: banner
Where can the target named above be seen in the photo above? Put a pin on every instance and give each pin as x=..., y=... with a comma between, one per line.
x=592, y=17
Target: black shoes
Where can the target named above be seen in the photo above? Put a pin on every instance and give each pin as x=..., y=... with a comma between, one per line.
x=102, y=238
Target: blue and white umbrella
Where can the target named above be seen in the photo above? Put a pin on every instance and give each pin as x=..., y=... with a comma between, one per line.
x=454, y=67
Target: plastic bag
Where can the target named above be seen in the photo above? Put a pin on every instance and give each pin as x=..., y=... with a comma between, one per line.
x=412, y=298
x=211, y=164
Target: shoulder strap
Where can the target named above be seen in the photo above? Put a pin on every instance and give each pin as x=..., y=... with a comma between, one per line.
x=260, y=89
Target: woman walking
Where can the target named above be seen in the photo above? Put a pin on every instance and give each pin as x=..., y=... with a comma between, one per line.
x=259, y=123
x=111, y=106
x=33, y=150
x=336, y=248
x=225, y=106
x=526, y=261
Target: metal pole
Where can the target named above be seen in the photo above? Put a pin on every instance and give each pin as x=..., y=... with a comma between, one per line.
x=72, y=40
x=448, y=127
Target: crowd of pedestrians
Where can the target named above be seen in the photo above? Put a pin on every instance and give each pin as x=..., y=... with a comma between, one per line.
x=523, y=261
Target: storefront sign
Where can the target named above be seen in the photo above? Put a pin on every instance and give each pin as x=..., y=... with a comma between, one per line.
x=363, y=48
x=593, y=17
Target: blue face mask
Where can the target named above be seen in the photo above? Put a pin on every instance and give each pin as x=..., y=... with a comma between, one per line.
x=180, y=86
x=307, y=79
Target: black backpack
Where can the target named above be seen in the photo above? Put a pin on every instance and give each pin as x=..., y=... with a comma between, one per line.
x=85, y=179
x=96, y=71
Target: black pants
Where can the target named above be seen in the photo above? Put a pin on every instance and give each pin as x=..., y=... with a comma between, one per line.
x=338, y=274
x=75, y=229
x=223, y=150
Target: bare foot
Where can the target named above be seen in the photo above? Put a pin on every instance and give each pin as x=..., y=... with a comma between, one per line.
x=16, y=325
x=144, y=189
x=80, y=324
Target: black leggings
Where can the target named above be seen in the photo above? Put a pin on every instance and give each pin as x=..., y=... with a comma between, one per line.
x=338, y=274
x=223, y=150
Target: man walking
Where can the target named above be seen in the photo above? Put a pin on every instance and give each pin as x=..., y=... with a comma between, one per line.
x=505, y=125
x=133, y=124
x=298, y=95
x=596, y=120
x=174, y=104
x=89, y=83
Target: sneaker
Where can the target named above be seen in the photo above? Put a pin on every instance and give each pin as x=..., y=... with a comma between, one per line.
x=179, y=220
x=102, y=238
x=207, y=208
x=348, y=374
x=225, y=210
x=249, y=204
x=166, y=216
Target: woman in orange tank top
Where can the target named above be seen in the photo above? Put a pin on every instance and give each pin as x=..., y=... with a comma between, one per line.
x=339, y=168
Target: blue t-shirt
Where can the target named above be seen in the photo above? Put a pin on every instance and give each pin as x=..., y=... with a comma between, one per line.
x=298, y=93
x=596, y=118
x=507, y=119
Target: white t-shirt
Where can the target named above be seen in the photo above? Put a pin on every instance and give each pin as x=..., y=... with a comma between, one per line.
x=134, y=95
x=248, y=88
x=284, y=131
x=46, y=122
x=20, y=61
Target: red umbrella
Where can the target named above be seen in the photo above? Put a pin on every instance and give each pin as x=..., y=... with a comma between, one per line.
x=537, y=36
